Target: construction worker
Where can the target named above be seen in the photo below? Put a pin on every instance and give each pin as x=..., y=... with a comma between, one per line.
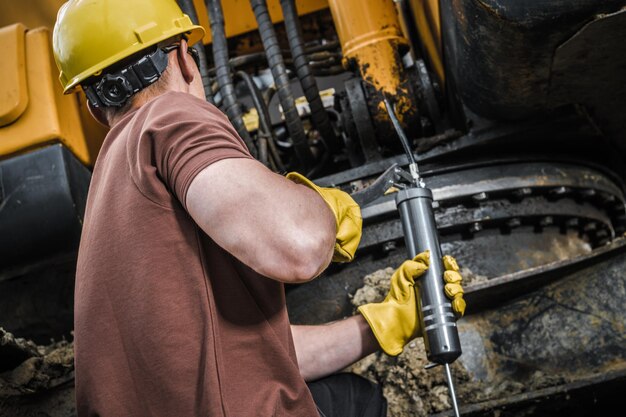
x=187, y=241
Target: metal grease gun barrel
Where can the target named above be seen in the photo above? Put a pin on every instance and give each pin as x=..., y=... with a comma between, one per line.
x=441, y=337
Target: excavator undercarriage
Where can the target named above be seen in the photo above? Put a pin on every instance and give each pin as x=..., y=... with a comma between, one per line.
x=515, y=113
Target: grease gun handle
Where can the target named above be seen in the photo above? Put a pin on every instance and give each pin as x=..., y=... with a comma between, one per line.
x=441, y=337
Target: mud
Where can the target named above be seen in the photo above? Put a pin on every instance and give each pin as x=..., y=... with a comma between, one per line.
x=376, y=285
x=33, y=368
x=412, y=390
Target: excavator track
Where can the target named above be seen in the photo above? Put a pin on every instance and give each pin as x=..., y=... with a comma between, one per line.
x=497, y=217
x=570, y=330
x=506, y=196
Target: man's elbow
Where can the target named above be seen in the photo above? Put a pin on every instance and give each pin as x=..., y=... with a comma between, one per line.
x=306, y=271
x=311, y=258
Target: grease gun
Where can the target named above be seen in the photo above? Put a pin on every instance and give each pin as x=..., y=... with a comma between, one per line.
x=415, y=204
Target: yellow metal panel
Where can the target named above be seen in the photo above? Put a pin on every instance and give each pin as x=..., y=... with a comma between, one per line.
x=239, y=18
x=50, y=116
x=13, y=88
x=31, y=13
x=428, y=23
x=237, y=13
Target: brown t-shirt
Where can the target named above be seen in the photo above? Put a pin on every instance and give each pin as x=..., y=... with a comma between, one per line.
x=167, y=323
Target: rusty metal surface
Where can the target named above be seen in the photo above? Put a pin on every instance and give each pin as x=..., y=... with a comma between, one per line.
x=373, y=44
x=499, y=290
x=596, y=395
x=572, y=327
x=572, y=332
x=500, y=177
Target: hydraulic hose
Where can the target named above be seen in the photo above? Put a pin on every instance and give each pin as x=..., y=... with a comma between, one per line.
x=264, y=117
x=279, y=73
x=223, y=76
x=188, y=8
x=319, y=116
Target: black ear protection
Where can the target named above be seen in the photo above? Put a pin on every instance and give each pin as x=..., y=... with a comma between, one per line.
x=115, y=88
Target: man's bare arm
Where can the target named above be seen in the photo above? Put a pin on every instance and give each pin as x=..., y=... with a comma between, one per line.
x=328, y=348
x=282, y=230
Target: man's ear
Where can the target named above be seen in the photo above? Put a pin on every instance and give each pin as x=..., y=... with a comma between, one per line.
x=98, y=114
x=186, y=62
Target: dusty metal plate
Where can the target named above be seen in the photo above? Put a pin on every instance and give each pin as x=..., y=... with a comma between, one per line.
x=489, y=294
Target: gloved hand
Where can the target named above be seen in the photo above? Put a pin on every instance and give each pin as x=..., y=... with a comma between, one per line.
x=347, y=216
x=394, y=321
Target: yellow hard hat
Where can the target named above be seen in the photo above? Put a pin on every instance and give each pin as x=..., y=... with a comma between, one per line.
x=91, y=35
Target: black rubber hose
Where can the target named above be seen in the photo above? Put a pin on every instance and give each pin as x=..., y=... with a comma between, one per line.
x=279, y=72
x=223, y=76
x=264, y=117
x=188, y=8
x=319, y=117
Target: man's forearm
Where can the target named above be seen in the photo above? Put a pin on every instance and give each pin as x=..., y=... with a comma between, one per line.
x=328, y=348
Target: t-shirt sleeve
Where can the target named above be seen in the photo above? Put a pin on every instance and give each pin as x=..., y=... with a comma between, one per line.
x=187, y=136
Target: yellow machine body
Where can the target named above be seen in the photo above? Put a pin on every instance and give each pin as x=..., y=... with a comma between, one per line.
x=34, y=112
x=237, y=13
x=428, y=22
x=240, y=19
x=370, y=34
x=12, y=71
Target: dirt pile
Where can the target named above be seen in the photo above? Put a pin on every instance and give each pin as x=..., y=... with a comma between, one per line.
x=412, y=390
x=27, y=368
x=376, y=285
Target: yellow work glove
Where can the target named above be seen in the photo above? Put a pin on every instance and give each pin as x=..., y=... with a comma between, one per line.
x=347, y=216
x=394, y=321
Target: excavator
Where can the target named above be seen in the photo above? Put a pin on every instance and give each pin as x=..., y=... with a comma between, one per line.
x=514, y=110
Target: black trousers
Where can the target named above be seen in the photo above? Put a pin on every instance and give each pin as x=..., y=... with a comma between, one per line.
x=348, y=395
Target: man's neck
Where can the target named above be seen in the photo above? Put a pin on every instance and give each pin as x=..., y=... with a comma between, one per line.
x=136, y=102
